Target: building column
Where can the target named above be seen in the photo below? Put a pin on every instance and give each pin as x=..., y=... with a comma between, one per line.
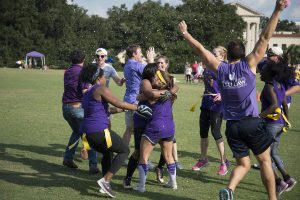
x=248, y=38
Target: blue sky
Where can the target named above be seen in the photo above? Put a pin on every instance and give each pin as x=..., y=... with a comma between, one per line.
x=265, y=7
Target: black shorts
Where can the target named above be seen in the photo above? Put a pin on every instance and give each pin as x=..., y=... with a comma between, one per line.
x=245, y=134
x=211, y=119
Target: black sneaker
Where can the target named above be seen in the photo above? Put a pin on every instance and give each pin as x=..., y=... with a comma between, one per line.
x=94, y=170
x=127, y=183
x=70, y=164
x=105, y=187
x=226, y=194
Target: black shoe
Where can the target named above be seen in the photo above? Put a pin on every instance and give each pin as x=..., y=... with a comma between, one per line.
x=70, y=164
x=94, y=170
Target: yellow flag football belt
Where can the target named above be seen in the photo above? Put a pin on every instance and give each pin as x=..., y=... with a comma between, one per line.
x=276, y=116
x=161, y=78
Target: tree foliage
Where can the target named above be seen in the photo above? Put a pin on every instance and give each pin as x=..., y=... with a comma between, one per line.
x=55, y=28
x=283, y=25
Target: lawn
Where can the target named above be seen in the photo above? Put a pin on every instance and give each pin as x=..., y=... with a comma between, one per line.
x=34, y=136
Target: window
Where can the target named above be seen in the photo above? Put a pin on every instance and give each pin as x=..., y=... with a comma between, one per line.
x=275, y=45
x=284, y=47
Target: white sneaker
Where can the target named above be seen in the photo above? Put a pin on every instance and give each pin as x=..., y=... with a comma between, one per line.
x=139, y=188
x=171, y=185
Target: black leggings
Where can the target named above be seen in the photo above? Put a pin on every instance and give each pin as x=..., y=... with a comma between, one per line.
x=210, y=119
x=109, y=163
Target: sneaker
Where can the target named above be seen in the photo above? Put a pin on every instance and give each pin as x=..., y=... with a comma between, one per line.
x=105, y=187
x=70, y=164
x=223, y=169
x=228, y=163
x=159, y=175
x=178, y=165
x=94, y=170
x=280, y=188
x=256, y=166
x=291, y=183
x=139, y=188
x=226, y=194
x=171, y=185
x=150, y=165
x=127, y=183
x=200, y=164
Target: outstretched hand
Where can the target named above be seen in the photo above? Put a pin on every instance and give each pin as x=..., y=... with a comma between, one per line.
x=150, y=55
x=182, y=27
x=282, y=4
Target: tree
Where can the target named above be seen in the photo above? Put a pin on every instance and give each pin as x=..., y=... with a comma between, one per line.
x=294, y=54
x=283, y=25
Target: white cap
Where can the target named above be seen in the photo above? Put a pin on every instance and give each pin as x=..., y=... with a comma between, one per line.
x=101, y=51
x=275, y=51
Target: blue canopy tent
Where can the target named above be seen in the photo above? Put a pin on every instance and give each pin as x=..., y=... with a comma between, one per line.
x=35, y=54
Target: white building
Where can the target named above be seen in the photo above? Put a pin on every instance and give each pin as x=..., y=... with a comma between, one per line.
x=251, y=34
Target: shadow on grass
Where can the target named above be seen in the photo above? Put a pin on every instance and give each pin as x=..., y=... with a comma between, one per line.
x=47, y=174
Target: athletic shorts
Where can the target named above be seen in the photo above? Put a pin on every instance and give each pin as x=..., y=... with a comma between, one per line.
x=245, y=134
x=155, y=141
x=129, y=118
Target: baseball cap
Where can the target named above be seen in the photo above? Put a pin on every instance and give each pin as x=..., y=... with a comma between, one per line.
x=275, y=51
x=101, y=51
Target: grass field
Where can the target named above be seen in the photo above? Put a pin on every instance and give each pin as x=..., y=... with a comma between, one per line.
x=34, y=136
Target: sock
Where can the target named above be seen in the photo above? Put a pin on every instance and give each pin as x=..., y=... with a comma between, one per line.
x=172, y=172
x=143, y=169
x=131, y=167
x=161, y=162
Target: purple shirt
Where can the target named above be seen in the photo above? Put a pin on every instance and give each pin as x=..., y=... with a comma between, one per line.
x=72, y=86
x=95, y=113
x=237, y=84
x=287, y=85
x=133, y=71
x=265, y=103
x=208, y=100
x=160, y=124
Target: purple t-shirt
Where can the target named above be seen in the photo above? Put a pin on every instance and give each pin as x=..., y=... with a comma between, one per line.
x=265, y=103
x=160, y=124
x=72, y=86
x=133, y=71
x=237, y=85
x=287, y=85
x=208, y=100
x=95, y=113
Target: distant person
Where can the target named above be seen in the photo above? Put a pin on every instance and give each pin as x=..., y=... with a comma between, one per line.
x=237, y=82
x=73, y=111
x=194, y=66
x=188, y=74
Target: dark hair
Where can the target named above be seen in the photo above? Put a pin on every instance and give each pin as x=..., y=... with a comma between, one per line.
x=150, y=71
x=235, y=50
x=279, y=71
x=77, y=57
x=132, y=49
x=90, y=73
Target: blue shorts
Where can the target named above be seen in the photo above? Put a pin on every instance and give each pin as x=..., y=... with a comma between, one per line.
x=245, y=134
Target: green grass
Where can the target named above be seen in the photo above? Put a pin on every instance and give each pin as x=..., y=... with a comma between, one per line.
x=34, y=135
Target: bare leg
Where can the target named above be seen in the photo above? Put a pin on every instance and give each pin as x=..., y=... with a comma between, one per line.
x=203, y=146
x=167, y=151
x=221, y=148
x=267, y=174
x=239, y=172
x=175, y=156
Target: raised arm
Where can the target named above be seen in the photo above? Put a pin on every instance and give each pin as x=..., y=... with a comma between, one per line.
x=104, y=92
x=261, y=45
x=208, y=58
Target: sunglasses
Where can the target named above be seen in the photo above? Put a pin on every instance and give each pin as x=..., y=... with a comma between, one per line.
x=101, y=56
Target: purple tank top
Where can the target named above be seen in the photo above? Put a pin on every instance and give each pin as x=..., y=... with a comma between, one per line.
x=208, y=100
x=237, y=84
x=280, y=94
x=95, y=113
x=160, y=124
